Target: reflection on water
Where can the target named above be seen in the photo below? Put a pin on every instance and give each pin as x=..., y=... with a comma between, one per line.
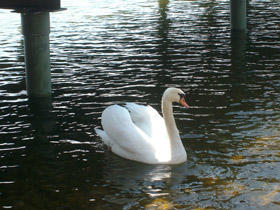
x=110, y=52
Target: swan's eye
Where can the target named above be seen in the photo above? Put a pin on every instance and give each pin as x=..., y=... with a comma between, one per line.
x=182, y=95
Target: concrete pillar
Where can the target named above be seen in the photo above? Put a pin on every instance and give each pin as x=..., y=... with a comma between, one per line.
x=238, y=14
x=36, y=29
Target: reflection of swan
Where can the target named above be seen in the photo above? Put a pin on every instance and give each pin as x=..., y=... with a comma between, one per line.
x=128, y=174
x=148, y=180
x=139, y=133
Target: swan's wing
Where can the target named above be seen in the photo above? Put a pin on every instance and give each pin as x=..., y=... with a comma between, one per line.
x=126, y=139
x=152, y=123
x=140, y=116
x=130, y=140
x=141, y=113
x=148, y=119
x=159, y=131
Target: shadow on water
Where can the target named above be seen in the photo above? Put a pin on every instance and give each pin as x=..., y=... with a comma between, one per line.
x=239, y=47
x=163, y=29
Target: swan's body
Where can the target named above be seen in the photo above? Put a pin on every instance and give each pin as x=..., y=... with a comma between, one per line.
x=139, y=133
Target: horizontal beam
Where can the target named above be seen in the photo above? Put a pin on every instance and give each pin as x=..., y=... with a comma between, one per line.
x=33, y=4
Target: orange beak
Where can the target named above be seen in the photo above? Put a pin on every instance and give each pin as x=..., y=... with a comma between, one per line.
x=183, y=103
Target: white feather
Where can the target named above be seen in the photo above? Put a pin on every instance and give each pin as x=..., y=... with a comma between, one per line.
x=139, y=133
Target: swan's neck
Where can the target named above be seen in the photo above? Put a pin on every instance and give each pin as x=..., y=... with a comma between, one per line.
x=178, y=152
x=167, y=111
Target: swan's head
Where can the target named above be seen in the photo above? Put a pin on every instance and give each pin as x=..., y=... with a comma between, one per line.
x=175, y=95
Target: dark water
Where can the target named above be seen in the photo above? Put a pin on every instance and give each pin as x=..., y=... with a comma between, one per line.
x=105, y=52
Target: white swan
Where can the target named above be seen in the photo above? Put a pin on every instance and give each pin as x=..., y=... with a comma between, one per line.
x=139, y=133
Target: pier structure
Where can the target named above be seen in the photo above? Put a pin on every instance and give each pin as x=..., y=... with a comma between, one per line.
x=36, y=28
x=35, y=22
x=238, y=16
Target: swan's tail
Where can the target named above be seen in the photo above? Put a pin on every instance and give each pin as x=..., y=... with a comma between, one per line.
x=106, y=139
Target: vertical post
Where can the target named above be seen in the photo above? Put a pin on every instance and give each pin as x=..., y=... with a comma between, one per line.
x=36, y=29
x=238, y=15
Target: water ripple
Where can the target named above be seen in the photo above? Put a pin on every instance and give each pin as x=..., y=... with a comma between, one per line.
x=110, y=52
